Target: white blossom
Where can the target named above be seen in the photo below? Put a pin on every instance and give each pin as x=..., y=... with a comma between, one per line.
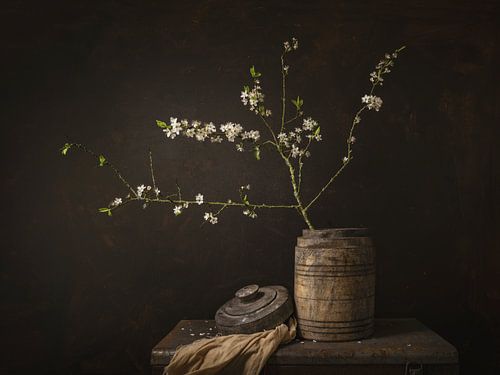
x=250, y=214
x=185, y=204
x=295, y=151
x=199, y=199
x=244, y=97
x=177, y=210
x=231, y=130
x=345, y=159
x=190, y=133
x=309, y=124
x=210, y=217
x=210, y=128
x=376, y=78
x=239, y=147
x=174, y=129
x=352, y=139
x=283, y=138
x=357, y=119
x=157, y=192
x=372, y=102
x=291, y=46
x=140, y=190
x=202, y=132
x=201, y=135
x=253, y=97
x=116, y=202
x=252, y=134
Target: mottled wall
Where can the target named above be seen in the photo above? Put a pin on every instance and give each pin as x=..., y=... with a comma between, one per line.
x=83, y=293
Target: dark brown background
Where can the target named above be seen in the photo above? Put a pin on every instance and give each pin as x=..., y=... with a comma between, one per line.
x=82, y=293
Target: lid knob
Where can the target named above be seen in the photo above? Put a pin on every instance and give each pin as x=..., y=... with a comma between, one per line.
x=247, y=293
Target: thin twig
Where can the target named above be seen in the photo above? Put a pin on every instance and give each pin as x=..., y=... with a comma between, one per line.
x=151, y=168
x=283, y=92
x=106, y=163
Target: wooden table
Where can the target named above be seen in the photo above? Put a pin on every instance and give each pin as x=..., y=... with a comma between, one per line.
x=399, y=346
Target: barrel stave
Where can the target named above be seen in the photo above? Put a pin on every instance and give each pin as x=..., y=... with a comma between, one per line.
x=335, y=285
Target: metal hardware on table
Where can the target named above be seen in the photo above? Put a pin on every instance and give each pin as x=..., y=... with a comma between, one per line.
x=414, y=369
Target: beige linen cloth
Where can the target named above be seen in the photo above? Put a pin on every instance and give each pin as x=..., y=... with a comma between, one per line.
x=232, y=354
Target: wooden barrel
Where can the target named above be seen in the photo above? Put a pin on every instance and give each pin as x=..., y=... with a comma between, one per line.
x=335, y=284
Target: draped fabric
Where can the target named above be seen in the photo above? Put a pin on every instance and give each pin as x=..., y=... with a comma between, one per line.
x=232, y=354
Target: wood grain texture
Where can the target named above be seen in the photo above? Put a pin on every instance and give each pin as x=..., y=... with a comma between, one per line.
x=396, y=342
x=334, y=284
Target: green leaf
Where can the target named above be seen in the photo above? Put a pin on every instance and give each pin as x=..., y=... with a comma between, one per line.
x=65, y=148
x=254, y=73
x=318, y=129
x=105, y=210
x=102, y=160
x=298, y=102
x=245, y=199
x=256, y=152
x=246, y=88
x=161, y=124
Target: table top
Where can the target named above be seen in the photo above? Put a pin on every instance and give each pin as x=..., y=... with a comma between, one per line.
x=396, y=341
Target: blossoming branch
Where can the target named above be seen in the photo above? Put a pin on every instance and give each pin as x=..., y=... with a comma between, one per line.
x=290, y=137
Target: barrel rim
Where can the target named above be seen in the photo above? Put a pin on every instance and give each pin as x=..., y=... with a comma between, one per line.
x=337, y=232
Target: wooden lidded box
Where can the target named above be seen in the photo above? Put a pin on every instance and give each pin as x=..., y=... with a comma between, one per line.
x=398, y=346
